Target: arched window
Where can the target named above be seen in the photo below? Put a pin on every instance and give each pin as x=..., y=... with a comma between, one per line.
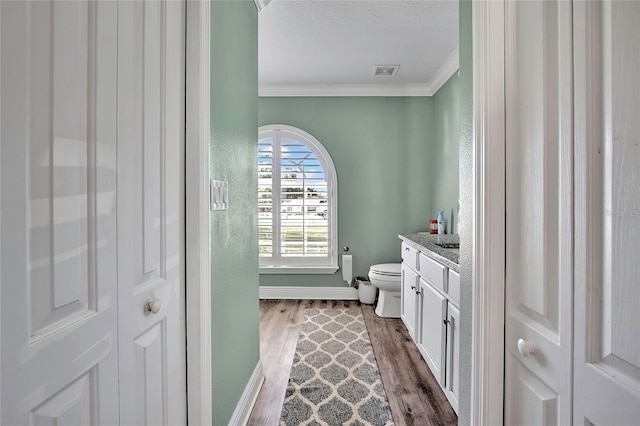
x=297, y=203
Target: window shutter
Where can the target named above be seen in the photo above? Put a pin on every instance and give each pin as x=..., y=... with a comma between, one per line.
x=265, y=197
x=296, y=201
x=304, y=228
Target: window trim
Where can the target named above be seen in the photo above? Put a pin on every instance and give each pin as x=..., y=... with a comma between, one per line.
x=298, y=265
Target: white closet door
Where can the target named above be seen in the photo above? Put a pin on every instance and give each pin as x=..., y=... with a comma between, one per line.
x=539, y=183
x=58, y=64
x=151, y=254
x=607, y=214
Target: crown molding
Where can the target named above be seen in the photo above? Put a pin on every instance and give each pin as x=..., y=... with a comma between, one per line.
x=444, y=73
x=448, y=68
x=261, y=4
x=345, y=90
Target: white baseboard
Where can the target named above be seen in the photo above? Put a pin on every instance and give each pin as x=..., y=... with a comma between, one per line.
x=313, y=293
x=248, y=398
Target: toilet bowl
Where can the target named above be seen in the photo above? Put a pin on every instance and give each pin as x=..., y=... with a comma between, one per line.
x=386, y=277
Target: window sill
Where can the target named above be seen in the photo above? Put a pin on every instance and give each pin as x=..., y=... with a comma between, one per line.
x=301, y=270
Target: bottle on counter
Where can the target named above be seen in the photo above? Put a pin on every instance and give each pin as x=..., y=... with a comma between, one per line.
x=442, y=222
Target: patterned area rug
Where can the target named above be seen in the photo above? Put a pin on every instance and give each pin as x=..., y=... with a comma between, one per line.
x=334, y=378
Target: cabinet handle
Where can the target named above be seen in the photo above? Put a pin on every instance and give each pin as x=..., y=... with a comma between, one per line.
x=446, y=322
x=406, y=249
x=413, y=287
x=418, y=292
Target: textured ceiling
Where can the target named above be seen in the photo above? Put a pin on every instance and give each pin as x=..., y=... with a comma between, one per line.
x=336, y=43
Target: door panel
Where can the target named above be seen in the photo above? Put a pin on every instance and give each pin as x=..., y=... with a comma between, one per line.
x=70, y=406
x=58, y=230
x=151, y=202
x=538, y=203
x=59, y=170
x=535, y=403
x=409, y=299
x=150, y=353
x=453, y=353
x=432, y=333
x=607, y=295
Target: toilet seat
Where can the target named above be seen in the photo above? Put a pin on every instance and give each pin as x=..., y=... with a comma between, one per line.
x=386, y=269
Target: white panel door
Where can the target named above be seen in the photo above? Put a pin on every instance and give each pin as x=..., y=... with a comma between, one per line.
x=58, y=64
x=607, y=152
x=538, y=90
x=151, y=256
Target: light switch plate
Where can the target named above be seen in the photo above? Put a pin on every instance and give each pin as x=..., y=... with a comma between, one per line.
x=219, y=197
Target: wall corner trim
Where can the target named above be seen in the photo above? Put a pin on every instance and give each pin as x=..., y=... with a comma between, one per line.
x=312, y=293
x=248, y=398
x=488, y=276
x=198, y=281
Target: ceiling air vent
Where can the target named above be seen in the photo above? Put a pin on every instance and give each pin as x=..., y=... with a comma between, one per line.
x=385, y=70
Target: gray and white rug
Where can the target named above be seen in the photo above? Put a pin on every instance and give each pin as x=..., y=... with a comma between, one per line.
x=334, y=378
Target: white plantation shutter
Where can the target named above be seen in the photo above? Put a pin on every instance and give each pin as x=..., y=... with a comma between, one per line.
x=297, y=197
x=265, y=197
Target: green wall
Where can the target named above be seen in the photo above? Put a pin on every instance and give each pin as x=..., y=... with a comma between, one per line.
x=381, y=147
x=234, y=260
x=466, y=201
x=444, y=156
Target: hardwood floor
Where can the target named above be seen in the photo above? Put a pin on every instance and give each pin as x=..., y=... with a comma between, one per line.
x=413, y=393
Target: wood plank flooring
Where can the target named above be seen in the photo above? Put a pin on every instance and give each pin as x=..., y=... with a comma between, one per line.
x=414, y=394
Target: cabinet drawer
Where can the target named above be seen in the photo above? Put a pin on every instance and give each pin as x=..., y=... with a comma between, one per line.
x=410, y=256
x=433, y=272
x=454, y=287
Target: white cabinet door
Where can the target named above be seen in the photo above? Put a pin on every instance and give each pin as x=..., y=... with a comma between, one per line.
x=409, y=299
x=539, y=184
x=58, y=219
x=452, y=389
x=151, y=259
x=607, y=214
x=432, y=332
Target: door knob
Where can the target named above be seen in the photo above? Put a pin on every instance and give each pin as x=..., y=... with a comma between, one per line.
x=526, y=348
x=153, y=306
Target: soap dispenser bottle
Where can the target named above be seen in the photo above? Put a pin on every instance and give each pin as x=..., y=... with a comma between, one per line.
x=442, y=222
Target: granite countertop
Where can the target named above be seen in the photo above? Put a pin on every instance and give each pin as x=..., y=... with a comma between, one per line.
x=426, y=243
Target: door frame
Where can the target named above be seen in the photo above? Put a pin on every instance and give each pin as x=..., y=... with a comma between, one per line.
x=198, y=274
x=488, y=217
x=488, y=274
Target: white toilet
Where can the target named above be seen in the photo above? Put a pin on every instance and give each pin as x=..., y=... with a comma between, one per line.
x=386, y=277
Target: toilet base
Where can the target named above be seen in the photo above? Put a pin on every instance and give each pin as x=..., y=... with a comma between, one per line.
x=388, y=304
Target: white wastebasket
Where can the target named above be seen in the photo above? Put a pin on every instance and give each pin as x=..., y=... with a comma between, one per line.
x=366, y=291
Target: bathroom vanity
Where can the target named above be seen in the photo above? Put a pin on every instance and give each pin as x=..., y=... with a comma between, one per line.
x=431, y=304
